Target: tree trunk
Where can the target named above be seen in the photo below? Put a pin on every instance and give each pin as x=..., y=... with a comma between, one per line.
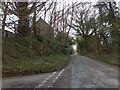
x=4, y=19
x=34, y=24
x=23, y=23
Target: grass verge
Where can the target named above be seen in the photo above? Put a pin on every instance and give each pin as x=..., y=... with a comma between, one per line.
x=21, y=59
x=110, y=59
x=34, y=66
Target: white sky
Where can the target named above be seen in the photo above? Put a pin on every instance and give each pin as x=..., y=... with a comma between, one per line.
x=70, y=2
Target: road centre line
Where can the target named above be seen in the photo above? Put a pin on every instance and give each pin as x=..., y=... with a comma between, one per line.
x=44, y=81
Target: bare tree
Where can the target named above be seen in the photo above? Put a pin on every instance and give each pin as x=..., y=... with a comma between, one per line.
x=4, y=8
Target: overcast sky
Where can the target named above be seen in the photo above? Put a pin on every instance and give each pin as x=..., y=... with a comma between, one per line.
x=70, y=2
x=93, y=1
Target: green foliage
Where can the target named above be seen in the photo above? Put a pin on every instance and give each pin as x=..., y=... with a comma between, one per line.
x=29, y=55
x=56, y=46
x=103, y=42
x=81, y=45
x=34, y=65
x=111, y=58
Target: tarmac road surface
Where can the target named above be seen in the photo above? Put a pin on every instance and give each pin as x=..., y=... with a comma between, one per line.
x=82, y=72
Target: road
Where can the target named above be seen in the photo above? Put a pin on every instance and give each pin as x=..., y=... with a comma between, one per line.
x=82, y=72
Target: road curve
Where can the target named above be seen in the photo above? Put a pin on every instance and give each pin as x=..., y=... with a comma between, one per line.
x=82, y=72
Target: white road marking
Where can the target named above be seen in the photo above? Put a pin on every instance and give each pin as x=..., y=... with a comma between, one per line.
x=56, y=77
x=42, y=83
x=46, y=79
